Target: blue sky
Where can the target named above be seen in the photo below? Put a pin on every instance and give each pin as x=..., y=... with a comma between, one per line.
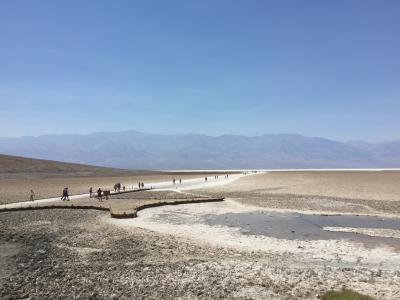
x=317, y=68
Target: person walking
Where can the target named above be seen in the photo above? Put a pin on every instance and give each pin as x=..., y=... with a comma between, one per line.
x=180, y=180
x=90, y=192
x=32, y=196
x=65, y=195
x=99, y=195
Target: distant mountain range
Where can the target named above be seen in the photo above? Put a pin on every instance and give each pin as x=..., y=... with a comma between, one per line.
x=136, y=150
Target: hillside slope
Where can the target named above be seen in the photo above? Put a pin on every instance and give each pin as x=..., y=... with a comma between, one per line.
x=21, y=166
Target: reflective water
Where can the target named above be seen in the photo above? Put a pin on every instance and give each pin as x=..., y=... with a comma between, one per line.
x=299, y=226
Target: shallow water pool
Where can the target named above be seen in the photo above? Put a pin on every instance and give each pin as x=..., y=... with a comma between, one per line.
x=298, y=226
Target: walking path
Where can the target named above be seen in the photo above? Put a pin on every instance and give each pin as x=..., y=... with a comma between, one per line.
x=188, y=184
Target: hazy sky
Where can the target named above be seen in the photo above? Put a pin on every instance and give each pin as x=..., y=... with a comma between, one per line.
x=317, y=68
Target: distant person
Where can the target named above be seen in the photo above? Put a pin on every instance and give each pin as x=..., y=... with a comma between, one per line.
x=32, y=196
x=139, y=185
x=123, y=188
x=99, y=195
x=205, y=178
x=173, y=181
x=65, y=195
x=142, y=185
x=90, y=192
x=180, y=180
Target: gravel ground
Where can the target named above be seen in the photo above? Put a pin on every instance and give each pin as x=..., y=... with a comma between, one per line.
x=59, y=254
x=73, y=255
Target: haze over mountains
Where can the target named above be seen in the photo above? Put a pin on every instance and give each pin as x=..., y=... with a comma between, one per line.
x=136, y=150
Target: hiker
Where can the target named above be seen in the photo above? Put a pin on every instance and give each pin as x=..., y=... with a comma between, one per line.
x=180, y=180
x=173, y=181
x=99, y=195
x=90, y=192
x=32, y=196
x=142, y=185
x=65, y=195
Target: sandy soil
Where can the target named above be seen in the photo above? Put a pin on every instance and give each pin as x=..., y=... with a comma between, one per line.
x=354, y=192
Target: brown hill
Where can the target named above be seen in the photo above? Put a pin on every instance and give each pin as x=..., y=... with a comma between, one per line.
x=15, y=166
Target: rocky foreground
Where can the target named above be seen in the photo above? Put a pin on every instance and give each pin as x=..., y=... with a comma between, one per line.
x=68, y=254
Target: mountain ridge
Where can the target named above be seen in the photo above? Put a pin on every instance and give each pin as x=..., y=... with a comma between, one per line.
x=137, y=150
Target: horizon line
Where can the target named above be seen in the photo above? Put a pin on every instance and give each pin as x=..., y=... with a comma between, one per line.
x=195, y=133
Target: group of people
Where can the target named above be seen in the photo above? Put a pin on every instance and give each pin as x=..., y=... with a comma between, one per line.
x=217, y=177
x=174, y=181
x=117, y=188
x=99, y=194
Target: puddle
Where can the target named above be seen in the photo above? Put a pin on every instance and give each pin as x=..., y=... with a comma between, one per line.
x=340, y=240
x=297, y=226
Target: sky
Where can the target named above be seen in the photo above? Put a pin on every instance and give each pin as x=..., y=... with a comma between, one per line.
x=317, y=68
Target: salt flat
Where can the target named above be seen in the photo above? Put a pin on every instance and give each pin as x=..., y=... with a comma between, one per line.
x=172, y=252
